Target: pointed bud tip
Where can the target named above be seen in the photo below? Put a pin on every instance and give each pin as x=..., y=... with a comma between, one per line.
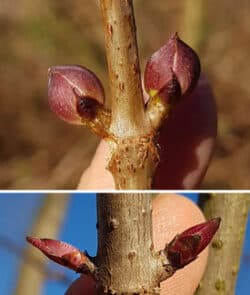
x=175, y=56
x=51, y=69
x=175, y=36
x=61, y=253
x=186, y=246
x=36, y=242
x=28, y=239
x=216, y=221
x=31, y=239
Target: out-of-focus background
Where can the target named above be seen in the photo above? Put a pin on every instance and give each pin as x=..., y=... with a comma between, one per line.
x=37, y=150
x=24, y=270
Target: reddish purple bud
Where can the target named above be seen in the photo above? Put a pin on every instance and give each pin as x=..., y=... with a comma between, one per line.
x=186, y=246
x=61, y=253
x=175, y=67
x=74, y=92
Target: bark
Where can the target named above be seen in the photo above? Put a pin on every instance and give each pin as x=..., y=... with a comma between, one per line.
x=225, y=252
x=133, y=154
x=126, y=261
x=47, y=224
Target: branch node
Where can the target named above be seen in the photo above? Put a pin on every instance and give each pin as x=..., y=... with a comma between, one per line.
x=133, y=156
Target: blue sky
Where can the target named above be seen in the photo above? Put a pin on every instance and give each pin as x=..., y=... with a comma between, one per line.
x=79, y=229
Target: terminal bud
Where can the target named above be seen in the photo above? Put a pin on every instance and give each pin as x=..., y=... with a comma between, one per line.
x=186, y=246
x=172, y=71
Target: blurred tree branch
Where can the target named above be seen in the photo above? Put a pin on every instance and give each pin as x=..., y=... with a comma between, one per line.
x=46, y=224
x=225, y=252
x=11, y=247
x=194, y=23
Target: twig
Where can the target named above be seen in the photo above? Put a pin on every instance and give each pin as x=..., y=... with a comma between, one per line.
x=225, y=253
x=133, y=152
x=125, y=245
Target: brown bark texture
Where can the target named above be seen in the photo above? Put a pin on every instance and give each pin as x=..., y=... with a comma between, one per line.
x=225, y=251
x=133, y=151
x=126, y=260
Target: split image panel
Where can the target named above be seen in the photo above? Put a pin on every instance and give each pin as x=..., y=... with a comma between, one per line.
x=73, y=219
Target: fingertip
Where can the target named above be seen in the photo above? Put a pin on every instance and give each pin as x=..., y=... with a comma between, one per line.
x=173, y=214
x=84, y=285
x=187, y=140
x=96, y=176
